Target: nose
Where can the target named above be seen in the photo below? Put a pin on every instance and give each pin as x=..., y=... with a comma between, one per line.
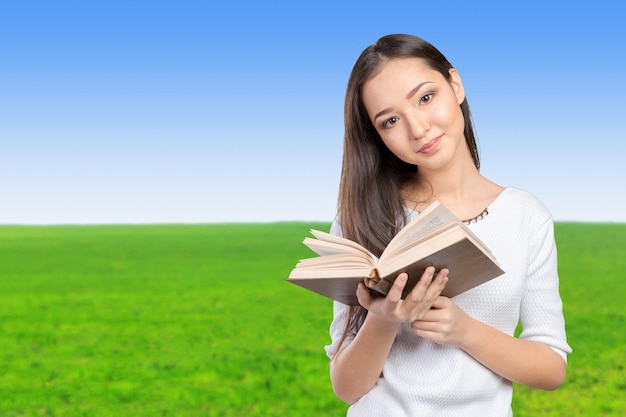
x=418, y=124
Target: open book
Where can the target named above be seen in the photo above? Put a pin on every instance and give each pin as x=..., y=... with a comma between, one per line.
x=435, y=237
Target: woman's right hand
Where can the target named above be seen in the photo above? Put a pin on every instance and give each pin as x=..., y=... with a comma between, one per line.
x=357, y=367
x=421, y=298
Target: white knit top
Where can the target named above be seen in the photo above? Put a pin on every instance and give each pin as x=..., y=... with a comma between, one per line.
x=423, y=378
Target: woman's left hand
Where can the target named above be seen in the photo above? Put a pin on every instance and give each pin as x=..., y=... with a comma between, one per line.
x=444, y=323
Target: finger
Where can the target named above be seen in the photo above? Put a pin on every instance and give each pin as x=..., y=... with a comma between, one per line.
x=441, y=302
x=429, y=321
x=417, y=325
x=422, y=326
x=418, y=292
x=427, y=278
x=438, y=283
x=432, y=315
x=363, y=296
x=395, y=293
x=425, y=324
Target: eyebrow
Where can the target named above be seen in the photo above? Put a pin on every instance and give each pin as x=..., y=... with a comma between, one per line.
x=411, y=94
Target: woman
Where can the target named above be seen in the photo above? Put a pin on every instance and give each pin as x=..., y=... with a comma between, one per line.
x=408, y=141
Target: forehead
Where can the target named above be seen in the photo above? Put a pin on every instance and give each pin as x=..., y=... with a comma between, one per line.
x=402, y=64
x=397, y=70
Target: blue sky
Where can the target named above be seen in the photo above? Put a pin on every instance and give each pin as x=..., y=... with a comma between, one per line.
x=187, y=111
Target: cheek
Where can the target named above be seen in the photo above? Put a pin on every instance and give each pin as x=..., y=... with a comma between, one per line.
x=450, y=116
x=401, y=148
x=395, y=141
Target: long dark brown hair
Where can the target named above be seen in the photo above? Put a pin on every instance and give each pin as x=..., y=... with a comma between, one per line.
x=370, y=206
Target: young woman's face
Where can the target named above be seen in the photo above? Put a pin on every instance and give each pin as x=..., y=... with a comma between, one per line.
x=417, y=112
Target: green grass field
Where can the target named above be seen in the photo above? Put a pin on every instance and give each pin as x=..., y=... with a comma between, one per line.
x=196, y=320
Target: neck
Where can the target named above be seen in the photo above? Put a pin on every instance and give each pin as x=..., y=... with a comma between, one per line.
x=456, y=186
x=462, y=189
x=455, y=181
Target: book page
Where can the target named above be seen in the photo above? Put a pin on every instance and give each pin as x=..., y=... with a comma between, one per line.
x=334, y=261
x=327, y=237
x=332, y=266
x=324, y=248
x=418, y=240
x=434, y=216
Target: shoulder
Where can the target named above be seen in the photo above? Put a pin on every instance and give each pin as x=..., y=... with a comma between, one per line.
x=521, y=204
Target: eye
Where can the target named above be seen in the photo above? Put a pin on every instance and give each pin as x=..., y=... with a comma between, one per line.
x=390, y=122
x=426, y=98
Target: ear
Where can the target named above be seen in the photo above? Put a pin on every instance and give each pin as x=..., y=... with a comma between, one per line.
x=457, y=85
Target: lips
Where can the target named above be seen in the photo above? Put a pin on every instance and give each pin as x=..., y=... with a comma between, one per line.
x=431, y=146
